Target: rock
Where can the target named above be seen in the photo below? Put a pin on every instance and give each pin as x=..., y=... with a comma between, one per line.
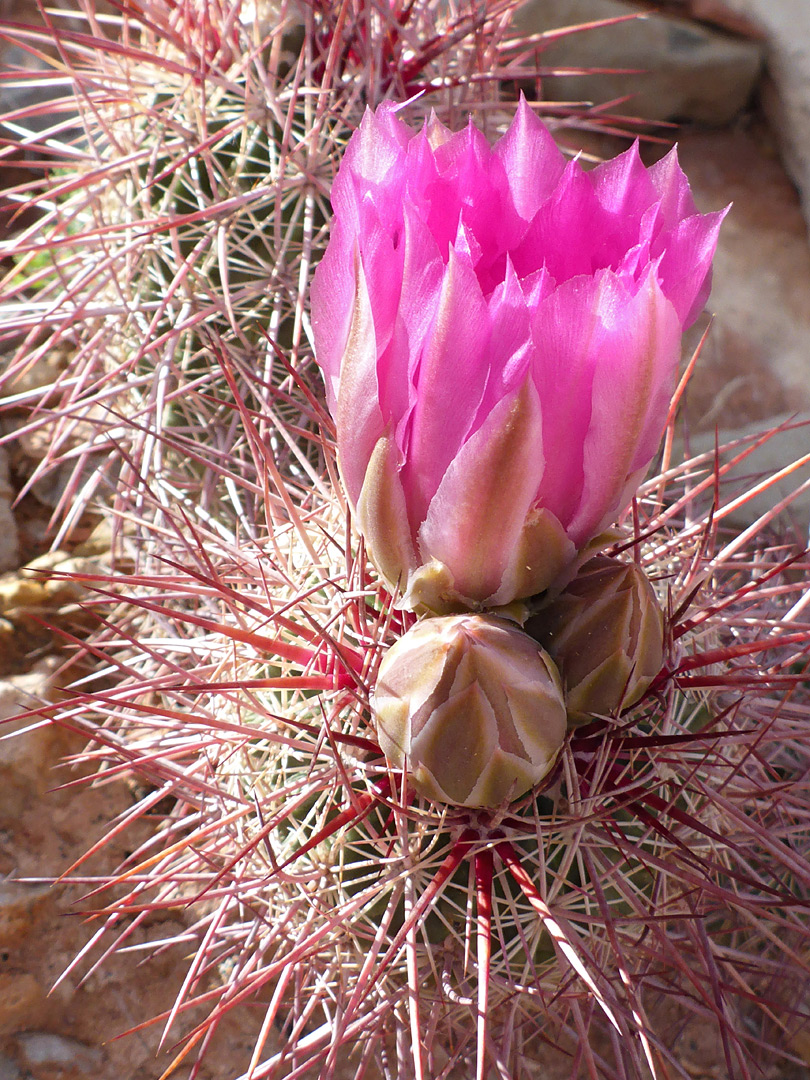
x=55, y=1057
x=43, y=564
x=19, y=592
x=8, y=1070
x=38, y=597
x=47, y=581
x=717, y=13
x=24, y=640
x=100, y=539
x=22, y=596
x=27, y=751
x=21, y=390
x=755, y=363
x=9, y=547
x=786, y=93
x=21, y=1002
x=21, y=906
x=682, y=70
x=51, y=573
x=39, y=89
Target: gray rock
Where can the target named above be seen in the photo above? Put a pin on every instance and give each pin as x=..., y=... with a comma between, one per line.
x=8, y=1070
x=54, y=1055
x=786, y=98
x=688, y=71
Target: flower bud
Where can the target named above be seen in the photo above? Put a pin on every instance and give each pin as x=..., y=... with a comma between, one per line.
x=472, y=707
x=605, y=632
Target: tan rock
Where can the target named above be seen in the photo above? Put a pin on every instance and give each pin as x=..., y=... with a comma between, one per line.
x=22, y=1001
x=28, y=748
x=756, y=361
x=9, y=547
x=18, y=592
x=46, y=581
x=21, y=907
x=49, y=561
x=100, y=539
x=23, y=639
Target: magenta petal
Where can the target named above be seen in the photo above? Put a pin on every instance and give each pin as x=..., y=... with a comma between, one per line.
x=477, y=514
x=382, y=266
x=358, y=418
x=623, y=187
x=536, y=287
x=473, y=187
x=422, y=274
x=639, y=343
x=436, y=133
x=372, y=169
x=531, y=159
x=566, y=235
x=511, y=343
x=377, y=146
x=685, y=267
x=445, y=407
x=567, y=331
x=676, y=202
x=332, y=302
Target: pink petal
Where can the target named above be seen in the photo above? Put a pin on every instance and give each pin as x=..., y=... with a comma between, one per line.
x=450, y=381
x=624, y=188
x=676, y=202
x=685, y=267
x=422, y=274
x=473, y=187
x=476, y=517
x=383, y=267
x=377, y=146
x=373, y=168
x=332, y=303
x=567, y=332
x=358, y=418
x=567, y=233
x=436, y=132
x=638, y=338
x=511, y=344
x=531, y=159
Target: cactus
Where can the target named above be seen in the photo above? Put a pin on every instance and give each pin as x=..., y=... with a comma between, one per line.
x=242, y=627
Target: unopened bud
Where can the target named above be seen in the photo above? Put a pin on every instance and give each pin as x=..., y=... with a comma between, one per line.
x=471, y=707
x=605, y=632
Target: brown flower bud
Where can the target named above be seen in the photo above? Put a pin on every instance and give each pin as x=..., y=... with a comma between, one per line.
x=605, y=632
x=472, y=707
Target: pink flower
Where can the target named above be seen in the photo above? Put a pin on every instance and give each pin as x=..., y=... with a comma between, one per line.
x=499, y=334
